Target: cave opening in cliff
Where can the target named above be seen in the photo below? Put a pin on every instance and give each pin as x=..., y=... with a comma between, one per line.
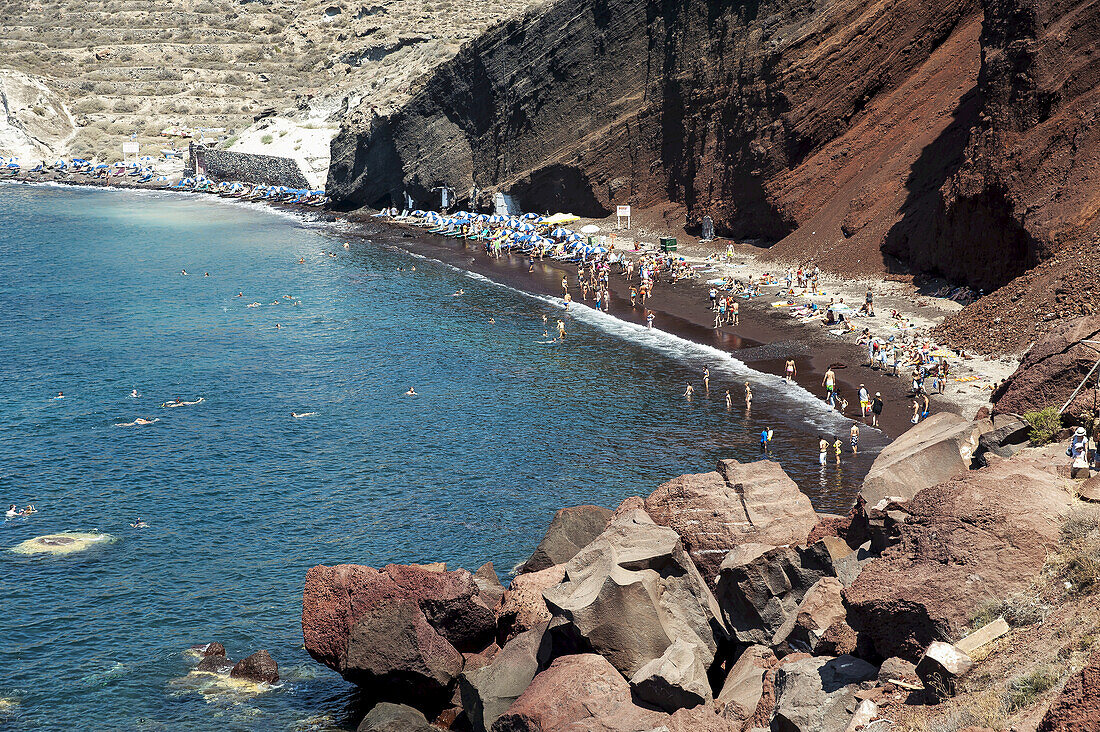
x=559, y=188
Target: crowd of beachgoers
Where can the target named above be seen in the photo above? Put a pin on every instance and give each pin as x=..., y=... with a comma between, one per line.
x=143, y=172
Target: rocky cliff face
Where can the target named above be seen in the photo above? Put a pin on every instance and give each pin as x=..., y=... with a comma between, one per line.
x=958, y=137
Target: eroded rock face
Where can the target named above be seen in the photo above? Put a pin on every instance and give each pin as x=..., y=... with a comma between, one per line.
x=1052, y=369
x=744, y=685
x=1077, y=707
x=522, y=606
x=488, y=691
x=399, y=632
x=570, y=531
x=966, y=543
x=633, y=592
x=739, y=503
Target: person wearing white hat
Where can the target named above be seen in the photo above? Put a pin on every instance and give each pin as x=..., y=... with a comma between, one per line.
x=1078, y=451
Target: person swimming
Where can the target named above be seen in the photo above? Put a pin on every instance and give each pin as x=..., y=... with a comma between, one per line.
x=205, y=274
x=137, y=422
x=134, y=394
x=180, y=403
x=13, y=512
x=296, y=415
x=183, y=272
x=301, y=260
x=411, y=392
x=492, y=321
x=460, y=292
x=689, y=391
x=139, y=524
x=59, y=396
x=240, y=294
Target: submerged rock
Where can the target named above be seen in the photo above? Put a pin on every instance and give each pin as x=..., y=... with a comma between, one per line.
x=65, y=542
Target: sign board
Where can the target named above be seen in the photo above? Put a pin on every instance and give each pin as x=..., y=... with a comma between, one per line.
x=129, y=148
x=620, y=213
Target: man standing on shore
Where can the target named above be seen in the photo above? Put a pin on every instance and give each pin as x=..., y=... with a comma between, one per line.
x=736, y=312
x=864, y=401
x=876, y=408
x=829, y=382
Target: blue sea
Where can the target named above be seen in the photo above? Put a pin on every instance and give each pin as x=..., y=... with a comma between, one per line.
x=241, y=497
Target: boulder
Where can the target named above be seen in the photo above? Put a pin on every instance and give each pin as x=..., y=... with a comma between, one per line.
x=632, y=592
x=386, y=717
x=488, y=691
x=1089, y=489
x=215, y=665
x=1051, y=370
x=897, y=668
x=676, y=680
x=839, y=639
x=570, y=531
x=930, y=452
x=968, y=543
x=865, y=712
x=259, y=667
x=744, y=684
x=821, y=608
x=814, y=694
x=1077, y=706
x=738, y=503
x=581, y=692
x=208, y=649
x=760, y=587
x=522, y=606
x=939, y=668
x=765, y=709
x=489, y=588
x=1008, y=436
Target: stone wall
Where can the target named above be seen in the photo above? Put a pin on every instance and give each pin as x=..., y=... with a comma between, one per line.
x=222, y=165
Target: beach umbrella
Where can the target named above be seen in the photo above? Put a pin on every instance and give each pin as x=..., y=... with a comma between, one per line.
x=529, y=216
x=561, y=232
x=590, y=229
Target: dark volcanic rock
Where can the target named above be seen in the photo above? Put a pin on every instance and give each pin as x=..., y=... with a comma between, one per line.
x=215, y=665
x=209, y=649
x=967, y=543
x=1077, y=707
x=1052, y=369
x=259, y=667
x=739, y=503
x=570, y=531
x=488, y=691
x=386, y=717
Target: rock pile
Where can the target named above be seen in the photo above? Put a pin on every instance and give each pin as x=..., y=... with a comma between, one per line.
x=625, y=620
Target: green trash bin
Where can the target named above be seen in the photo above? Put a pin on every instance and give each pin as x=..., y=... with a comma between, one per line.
x=668, y=244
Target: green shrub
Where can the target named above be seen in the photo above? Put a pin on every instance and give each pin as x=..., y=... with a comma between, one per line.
x=266, y=139
x=1023, y=691
x=1044, y=425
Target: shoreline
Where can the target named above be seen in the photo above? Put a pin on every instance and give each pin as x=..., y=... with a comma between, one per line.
x=763, y=340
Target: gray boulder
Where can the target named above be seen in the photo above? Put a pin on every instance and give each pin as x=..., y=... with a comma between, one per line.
x=676, y=680
x=815, y=694
x=821, y=607
x=738, y=503
x=386, y=717
x=760, y=587
x=928, y=453
x=489, y=588
x=522, y=606
x=744, y=684
x=632, y=592
x=570, y=531
x=488, y=691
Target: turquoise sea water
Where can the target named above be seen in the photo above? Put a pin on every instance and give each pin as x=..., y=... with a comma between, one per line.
x=241, y=497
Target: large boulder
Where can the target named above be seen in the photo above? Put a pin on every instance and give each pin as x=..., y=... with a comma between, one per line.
x=386, y=717
x=760, y=587
x=821, y=608
x=399, y=632
x=967, y=543
x=259, y=667
x=744, y=685
x=522, y=607
x=676, y=680
x=1077, y=706
x=489, y=587
x=738, y=503
x=633, y=592
x=814, y=694
x=1051, y=370
x=930, y=452
x=488, y=691
x=570, y=531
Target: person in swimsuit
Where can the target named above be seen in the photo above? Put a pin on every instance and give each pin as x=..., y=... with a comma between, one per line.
x=706, y=379
x=736, y=312
x=837, y=447
x=790, y=370
x=855, y=438
x=829, y=382
x=410, y=392
x=748, y=395
x=689, y=391
x=876, y=409
x=823, y=449
x=561, y=330
x=729, y=400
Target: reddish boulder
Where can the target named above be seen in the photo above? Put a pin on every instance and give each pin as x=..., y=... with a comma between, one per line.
x=523, y=606
x=215, y=665
x=1052, y=369
x=744, y=685
x=208, y=649
x=1077, y=707
x=259, y=667
x=570, y=531
x=739, y=503
x=966, y=543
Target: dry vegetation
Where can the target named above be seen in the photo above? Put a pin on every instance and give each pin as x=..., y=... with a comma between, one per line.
x=137, y=66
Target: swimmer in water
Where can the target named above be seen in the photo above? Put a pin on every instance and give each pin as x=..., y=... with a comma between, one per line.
x=183, y=272
x=729, y=400
x=59, y=396
x=139, y=524
x=180, y=403
x=411, y=392
x=205, y=274
x=13, y=512
x=301, y=260
x=29, y=509
x=134, y=394
x=460, y=292
x=748, y=395
x=240, y=294
x=303, y=414
x=689, y=391
x=278, y=325
x=346, y=245
x=137, y=422
x=561, y=330
x=493, y=320
x=706, y=380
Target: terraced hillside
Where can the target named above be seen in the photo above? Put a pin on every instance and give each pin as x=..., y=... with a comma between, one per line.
x=130, y=67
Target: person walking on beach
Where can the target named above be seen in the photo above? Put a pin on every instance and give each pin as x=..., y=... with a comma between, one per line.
x=864, y=401
x=729, y=400
x=876, y=409
x=689, y=391
x=565, y=284
x=706, y=380
x=870, y=305
x=790, y=370
x=829, y=382
x=713, y=299
x=855, y=438
x=633, y=297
